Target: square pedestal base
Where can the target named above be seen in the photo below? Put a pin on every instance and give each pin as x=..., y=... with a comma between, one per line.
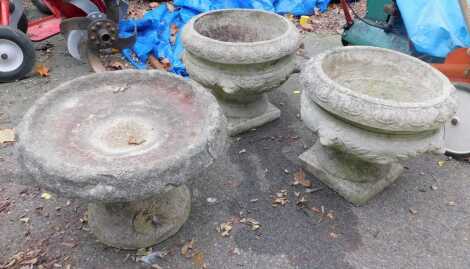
x=355, y=180
x=240, y=125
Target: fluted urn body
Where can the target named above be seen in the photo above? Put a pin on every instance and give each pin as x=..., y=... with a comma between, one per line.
x=125, y=142
x=371, y=109
x=240, y=55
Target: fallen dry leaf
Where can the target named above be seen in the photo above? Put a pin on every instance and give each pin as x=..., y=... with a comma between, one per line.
x=225, y=228
x=333, y=235
x=280, y=198
x=69, y=244
x=134, y=141
x=254, y=224
x=174, y=29
x=155, y=63
x=32, y=261
x=330, y=215
x=28, y=259
x=316, y=210
x=25, y=220
x=7, y=136
x=299, y=178
x=187, y=249
x=163, y=64
x=142, y=252
x=301, y=201
x=198, y=260
x=42, y=70
x=116, y=65
x=166, y=63
x=4, y=205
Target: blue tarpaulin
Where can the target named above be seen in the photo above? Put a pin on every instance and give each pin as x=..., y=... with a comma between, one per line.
x=154, y=29
x=435, y=27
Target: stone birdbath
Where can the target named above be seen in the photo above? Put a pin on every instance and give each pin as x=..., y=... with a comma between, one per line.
x=125, y=142
x=371, y=109
x=240, y=55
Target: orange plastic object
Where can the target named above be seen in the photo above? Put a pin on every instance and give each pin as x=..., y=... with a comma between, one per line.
x=456, y=66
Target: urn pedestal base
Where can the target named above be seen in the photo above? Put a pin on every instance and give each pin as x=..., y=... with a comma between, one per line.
x=140, y=224
x=244, y=117
x=355, y=180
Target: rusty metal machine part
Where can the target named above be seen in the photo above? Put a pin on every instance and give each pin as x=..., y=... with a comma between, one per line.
x=87, y=36
x=102, y=32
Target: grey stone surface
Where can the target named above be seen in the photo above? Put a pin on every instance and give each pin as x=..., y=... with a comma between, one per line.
x=378, y=89
x=372, y=113
x=356, y=180
x=120, y=136
x=240, y=55
x=123, y=141
x=238, y=125
x=365, y=144
x=140, y=224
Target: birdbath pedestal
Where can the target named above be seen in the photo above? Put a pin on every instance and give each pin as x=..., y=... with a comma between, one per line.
x=125, y=142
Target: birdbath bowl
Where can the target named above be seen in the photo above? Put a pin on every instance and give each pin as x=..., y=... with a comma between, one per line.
x=240, y=55
x=126, y=142
x=371, y=109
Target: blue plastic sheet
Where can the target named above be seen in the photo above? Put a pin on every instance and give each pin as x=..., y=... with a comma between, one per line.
x=435, y=27
x=154, y=29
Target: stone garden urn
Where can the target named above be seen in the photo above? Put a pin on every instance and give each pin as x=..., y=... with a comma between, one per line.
x=240, y=55
x=371, y=109
x=125, y=142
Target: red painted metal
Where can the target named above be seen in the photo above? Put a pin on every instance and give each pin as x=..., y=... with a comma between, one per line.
x=46, y=27
x=4, y=12
x=456, y=66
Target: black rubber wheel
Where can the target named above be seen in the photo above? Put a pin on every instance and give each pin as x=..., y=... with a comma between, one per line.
x=17, y=55
x=39, y=4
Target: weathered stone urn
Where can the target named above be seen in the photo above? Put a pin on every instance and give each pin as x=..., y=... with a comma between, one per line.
x=240, y=55
x=371, y=109
x=126, y=142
